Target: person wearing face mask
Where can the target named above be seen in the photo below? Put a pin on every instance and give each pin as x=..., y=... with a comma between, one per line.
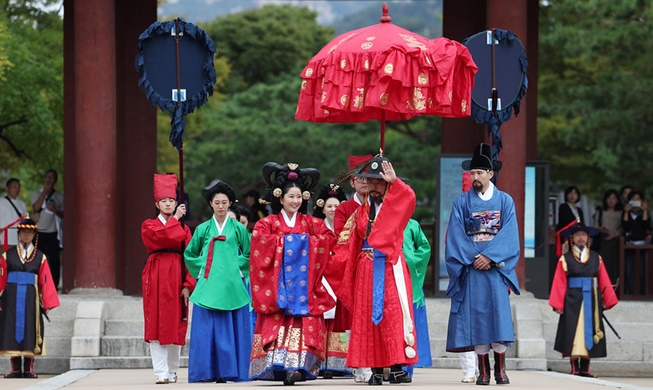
x=166, y=283
x=338, y=319
x=581, y=290
x=218, y=256
x=372, y=278
x=636, y=226
x=289, y=255
x=481, y=253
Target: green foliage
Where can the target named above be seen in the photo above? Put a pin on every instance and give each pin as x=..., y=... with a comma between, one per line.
x=265, y=42
x=31, y=103
x=595, y=85
x=258, y=125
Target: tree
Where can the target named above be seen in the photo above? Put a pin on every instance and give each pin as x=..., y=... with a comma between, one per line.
x=258, y=125
x=595, y=85
x=31, y=103
x=265, y=42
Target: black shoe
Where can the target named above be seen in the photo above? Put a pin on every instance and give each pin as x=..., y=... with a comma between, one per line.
x=376, y=380
x=30, y=374
x=14, y=374
x=400, y=377
x=292, y=378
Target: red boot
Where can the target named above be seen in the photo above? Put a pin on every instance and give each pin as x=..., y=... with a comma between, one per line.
x=585, y=368
x=28, y=368
x=575, y=366
x=15, y=368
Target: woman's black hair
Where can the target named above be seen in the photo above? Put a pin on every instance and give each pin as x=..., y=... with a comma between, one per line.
x=608, y=193
x=283, y=178
x=568, y=191
x=326, y=192
x=220, y=188
x=632, y=194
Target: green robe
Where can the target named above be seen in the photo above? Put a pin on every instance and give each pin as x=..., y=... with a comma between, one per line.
x=224, y=288
x=417, y=252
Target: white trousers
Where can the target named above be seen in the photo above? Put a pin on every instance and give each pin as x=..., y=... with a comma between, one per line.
x=483, y=349
x=468, y=364
x=165, y=359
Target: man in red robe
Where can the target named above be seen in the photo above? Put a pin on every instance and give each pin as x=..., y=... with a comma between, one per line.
x=359, y=184
x=166, y=281
x=376, y=284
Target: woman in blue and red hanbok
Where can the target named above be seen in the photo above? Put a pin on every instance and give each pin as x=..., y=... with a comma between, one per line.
x=289, y=252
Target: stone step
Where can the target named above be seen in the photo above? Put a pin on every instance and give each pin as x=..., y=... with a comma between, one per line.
x=79, y=363
x=43, y=365
x=58, y=328
x=57, y=346
x=124, y=327
x=130, y=346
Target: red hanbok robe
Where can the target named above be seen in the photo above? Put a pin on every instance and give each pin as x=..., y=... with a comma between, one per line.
x=162, y=281
x=370, y=345
x=343, y=212
x=266, y=259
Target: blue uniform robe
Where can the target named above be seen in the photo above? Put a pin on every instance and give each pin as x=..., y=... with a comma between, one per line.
x=480, y=306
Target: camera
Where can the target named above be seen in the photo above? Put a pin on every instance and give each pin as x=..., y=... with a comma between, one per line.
x=635, y=203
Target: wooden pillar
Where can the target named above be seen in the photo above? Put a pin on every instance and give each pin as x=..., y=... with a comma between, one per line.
x=69, y=258
x=513, y=15
x=136, y=145
x=94, y=146
x=462, y=19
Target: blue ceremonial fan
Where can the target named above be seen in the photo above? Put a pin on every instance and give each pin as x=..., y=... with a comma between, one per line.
x=500, y=82
x=175, y=70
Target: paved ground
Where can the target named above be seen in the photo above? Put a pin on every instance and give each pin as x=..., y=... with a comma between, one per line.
x=424, y=379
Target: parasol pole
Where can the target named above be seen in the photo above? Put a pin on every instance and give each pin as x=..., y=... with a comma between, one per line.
x=495, y=93
x=382, y=130
x=184, y=308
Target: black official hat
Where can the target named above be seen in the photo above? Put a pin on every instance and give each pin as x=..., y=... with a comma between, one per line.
x=482, y=159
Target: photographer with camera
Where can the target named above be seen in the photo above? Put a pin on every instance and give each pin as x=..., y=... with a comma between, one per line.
x=636, y=225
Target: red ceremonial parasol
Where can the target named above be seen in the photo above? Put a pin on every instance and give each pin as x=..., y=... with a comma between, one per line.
x=386, y=72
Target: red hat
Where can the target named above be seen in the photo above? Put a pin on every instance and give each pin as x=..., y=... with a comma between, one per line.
x=467, y=181
x=165, y=186
x=357, y=161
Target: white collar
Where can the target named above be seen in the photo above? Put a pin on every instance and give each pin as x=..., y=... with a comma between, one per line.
x=162, y=219
x=357, y=199
x=26, y=252
x=488, y=193
x=220, y=227
x=328, y=225
x=289, y=221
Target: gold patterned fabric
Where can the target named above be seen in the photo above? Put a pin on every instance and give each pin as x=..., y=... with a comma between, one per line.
x=287, y=353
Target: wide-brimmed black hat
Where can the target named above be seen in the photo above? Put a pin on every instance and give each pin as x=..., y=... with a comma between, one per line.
x=577, y=227
x=373, y=168
x=482, y=159
x=28, y=224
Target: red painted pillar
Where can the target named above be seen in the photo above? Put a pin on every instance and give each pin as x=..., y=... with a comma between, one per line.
x=94, y=132
x=513, y=15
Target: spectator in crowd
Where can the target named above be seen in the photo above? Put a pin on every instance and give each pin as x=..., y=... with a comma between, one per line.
x=12, y=210
x=607, y=219
x=636, y=226
x=47, y=203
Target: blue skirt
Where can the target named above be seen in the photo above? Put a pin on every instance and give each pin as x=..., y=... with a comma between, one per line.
x=422, y=329
x=220, y=345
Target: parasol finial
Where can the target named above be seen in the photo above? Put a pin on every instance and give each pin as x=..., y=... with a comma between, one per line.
x=385, y=18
